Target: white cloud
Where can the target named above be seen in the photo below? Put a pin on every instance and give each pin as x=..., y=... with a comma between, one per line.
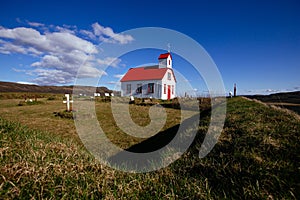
x=106, y=34
x=271, y=90
x=69, y=63
x=35, y=24
x=56, y=42
x=49, y=61
x=64, y=30
x=24, y=82
x=65, y=42
x=24, y=38
x=89, y=34
x=6, y=48
x=24, y=35
x=48, y=77
x=60, y=50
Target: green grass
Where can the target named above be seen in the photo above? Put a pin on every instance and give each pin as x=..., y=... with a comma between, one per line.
x=257, y=157
x=36, y=164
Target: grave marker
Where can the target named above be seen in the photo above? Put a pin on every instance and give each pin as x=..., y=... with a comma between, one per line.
x=234, y=90
x=68, y=101
x=131, y=98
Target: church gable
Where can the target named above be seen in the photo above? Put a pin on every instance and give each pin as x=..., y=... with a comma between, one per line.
x=169, y=75
x=156, y=81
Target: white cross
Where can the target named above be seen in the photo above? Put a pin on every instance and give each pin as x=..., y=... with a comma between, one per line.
x=131, y=98
x=68, y=101
x=169, y=47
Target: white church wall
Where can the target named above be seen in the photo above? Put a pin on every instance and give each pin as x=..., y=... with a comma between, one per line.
x=144, y=93
x=168, y=80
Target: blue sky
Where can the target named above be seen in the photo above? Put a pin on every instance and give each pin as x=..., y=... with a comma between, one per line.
x=255, y=44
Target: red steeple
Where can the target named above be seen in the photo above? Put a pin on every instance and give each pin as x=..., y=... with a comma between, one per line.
x=164, y=56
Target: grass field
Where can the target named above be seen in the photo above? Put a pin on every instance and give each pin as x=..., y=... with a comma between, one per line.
x=257, y=156
x=41, y=117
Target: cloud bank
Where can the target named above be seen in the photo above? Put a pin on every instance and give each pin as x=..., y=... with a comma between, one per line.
x=61, y=50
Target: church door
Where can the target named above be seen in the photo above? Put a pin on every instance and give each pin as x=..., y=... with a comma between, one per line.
x=169, y=92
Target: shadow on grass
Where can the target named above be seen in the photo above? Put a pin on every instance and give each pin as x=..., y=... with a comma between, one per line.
x=178, y=138
x=155, y=142
x=163, y=138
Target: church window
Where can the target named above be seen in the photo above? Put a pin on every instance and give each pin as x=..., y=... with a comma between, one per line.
x=150, y=87
x=139, y=88
x=169, y=75
x=128, y=88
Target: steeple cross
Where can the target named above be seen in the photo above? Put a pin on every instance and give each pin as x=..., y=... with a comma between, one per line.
x=169, y=47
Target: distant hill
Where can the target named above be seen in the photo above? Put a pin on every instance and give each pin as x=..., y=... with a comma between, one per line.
x=289, y=100
x=287, y=97
x=17, y=87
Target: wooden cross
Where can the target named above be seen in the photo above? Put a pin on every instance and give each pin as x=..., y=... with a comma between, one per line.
x=68, y=101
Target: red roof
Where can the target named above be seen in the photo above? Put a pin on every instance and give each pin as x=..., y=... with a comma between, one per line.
x=164, y=56
x=145, y=73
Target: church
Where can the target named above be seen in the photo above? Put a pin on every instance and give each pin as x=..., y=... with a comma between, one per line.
x=156, y=81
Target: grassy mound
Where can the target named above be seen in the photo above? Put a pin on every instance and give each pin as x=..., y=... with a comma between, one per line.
x=257, y=156
x=64, y=114
x=29, y=103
